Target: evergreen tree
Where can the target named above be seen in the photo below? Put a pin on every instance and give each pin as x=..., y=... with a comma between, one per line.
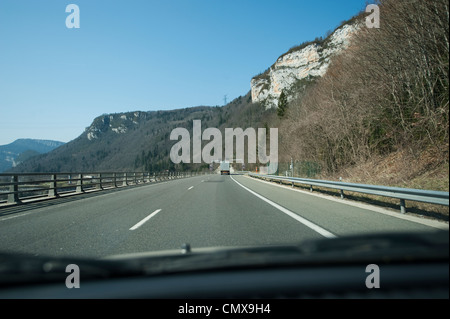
x=282, y=105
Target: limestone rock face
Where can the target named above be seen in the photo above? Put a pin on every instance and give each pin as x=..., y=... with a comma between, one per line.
x=306, y=62
x=118, y=123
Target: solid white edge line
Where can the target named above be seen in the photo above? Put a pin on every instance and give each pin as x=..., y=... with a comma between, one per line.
x=302, y=220
x=190, y=188
x=15, y=216
x=145, y=219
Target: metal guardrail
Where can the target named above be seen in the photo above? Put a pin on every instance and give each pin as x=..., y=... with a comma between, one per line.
x=18, y=187
x=417, y=195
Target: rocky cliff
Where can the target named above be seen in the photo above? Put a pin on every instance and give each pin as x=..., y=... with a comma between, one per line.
x=302, y=63
x=117, y=123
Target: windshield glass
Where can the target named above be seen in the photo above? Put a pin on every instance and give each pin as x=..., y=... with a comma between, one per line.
x=134, y=127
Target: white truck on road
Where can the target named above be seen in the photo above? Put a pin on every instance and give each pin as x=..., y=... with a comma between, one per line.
x=224, y=168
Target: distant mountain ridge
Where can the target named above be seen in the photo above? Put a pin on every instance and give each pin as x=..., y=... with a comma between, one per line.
x=140, y=140
x=22, y=149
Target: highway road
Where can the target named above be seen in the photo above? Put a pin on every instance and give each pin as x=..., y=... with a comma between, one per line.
x=204, y=211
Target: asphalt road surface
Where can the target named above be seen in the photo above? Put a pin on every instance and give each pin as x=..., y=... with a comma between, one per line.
x=204, y=211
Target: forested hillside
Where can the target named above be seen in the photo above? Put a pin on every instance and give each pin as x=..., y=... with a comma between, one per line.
x=141, y=140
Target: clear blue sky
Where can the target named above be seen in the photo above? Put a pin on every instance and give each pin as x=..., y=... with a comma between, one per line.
x=141, y=55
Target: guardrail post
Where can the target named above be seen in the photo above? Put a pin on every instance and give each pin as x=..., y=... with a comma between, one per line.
x=342, y=191
x=79, y=188
x=310, y=188
x=13, y=198
x=124, y=180
x=100, y=184
x=402, y=206
x=52, y=191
